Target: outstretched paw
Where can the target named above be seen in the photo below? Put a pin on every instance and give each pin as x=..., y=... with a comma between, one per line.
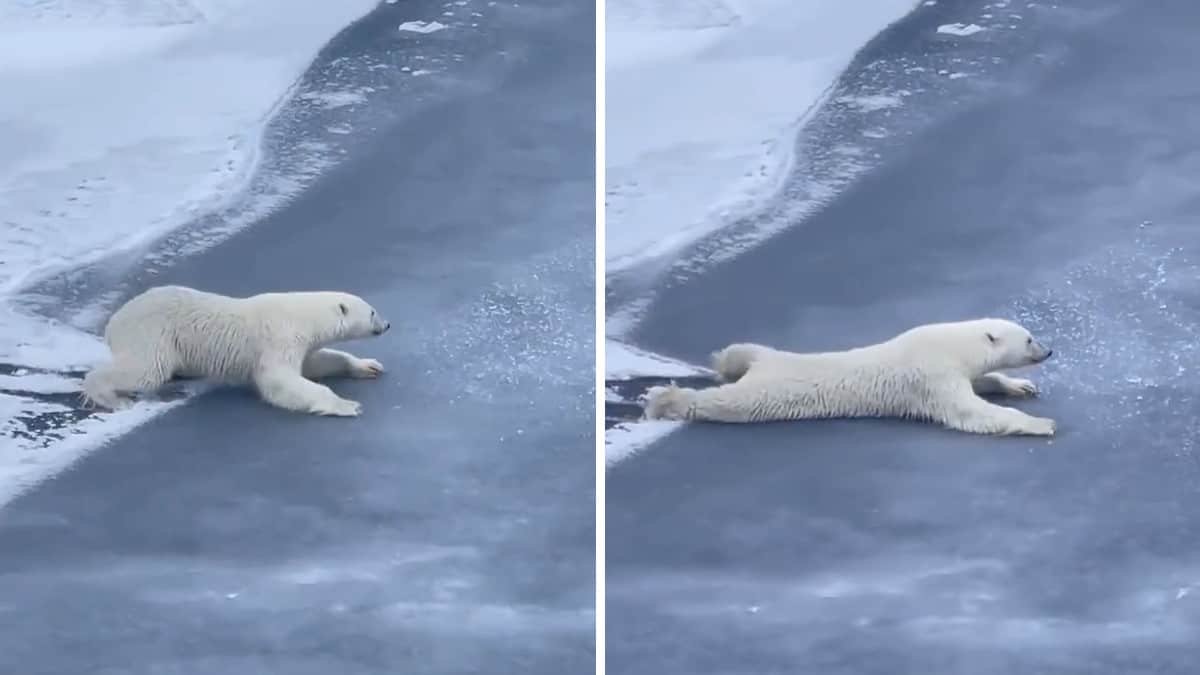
x=670, y=402
x=340, y=407
x=1041, y=426
x=1020, y=388
x=366, y=369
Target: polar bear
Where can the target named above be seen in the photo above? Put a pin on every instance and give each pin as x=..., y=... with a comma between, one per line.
x=934, y=372
x=274, y=341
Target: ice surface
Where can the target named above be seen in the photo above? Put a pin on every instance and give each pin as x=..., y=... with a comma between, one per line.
x=119, y=122
x=703, y=104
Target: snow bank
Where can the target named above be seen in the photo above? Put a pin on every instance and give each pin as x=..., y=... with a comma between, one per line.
x=703, y=102
x=121, y=121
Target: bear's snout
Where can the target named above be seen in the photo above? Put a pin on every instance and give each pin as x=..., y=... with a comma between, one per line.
x=382, y=327
x=1041, y=353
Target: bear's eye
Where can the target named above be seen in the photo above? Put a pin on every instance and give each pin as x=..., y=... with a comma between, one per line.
x=1028, y=340
x=342, y=306
x=372, y=314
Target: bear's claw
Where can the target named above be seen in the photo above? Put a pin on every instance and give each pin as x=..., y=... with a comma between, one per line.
x=1023, y=388
x=367, y=369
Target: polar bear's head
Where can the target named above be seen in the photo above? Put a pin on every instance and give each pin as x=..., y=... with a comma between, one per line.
x=1009, y=345
x=977, y=346
x=356, y=318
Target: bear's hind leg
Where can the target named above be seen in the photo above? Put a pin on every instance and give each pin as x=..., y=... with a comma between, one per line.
x=999, y=383
x=335, y=363
x=105, y=384
x=975, y=415
x=284, y=388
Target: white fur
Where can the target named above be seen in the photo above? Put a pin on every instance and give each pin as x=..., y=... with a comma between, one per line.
x=934, y=372
x=274, y=341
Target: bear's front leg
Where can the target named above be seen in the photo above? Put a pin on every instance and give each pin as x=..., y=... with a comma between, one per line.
x=283, y=387
x=999, y=383
x=335, y=363
x=975, y=415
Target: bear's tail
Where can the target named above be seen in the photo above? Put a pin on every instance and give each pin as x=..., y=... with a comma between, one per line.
x=732, y=362
x=670, y=402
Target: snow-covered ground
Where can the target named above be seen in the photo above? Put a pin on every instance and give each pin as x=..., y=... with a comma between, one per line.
x=122, y=120
x=704, y=101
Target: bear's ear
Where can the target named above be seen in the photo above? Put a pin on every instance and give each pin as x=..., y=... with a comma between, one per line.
x=345, y=310
x=991, y=338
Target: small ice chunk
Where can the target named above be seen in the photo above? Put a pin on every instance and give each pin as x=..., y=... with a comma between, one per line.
x=422, y=26
x=959, y=29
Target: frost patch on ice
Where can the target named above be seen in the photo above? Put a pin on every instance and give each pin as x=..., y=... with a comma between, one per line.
x=959, y=29
x=337, y=99
x=872, y=103
x=1137, y=361
x=422, y=26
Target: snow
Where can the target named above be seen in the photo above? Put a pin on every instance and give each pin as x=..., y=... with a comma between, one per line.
x=120, y=122
x=622, y=362
x=26, y=465
x=45, y=383
x=704, y=101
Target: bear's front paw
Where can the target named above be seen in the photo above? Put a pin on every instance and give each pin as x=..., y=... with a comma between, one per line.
x=340, y=407
x=1021, y=388
x=1040, y=426
x=366, y=369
